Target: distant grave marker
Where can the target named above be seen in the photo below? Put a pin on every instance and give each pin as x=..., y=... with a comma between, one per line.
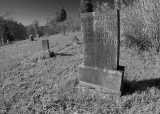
x=46, y=51
x=37, y=36
x=75, y=40
x=2, y=40
x=7, y=41
x=101, y=37
x=45, y=45
x=31, y=38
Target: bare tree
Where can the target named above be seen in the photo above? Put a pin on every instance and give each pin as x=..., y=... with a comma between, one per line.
x=51, y=17
x=35, y=25
x=70, y=24
x=56, y=20
x=4, y=13
x=61, y=16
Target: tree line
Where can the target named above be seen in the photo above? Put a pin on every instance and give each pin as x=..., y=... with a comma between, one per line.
x=57, y=22
x=12, y=30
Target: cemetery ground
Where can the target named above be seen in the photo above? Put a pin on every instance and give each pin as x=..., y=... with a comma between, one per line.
x=31, y=84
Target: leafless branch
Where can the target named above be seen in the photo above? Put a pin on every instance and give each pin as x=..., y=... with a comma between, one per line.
x=5, y=13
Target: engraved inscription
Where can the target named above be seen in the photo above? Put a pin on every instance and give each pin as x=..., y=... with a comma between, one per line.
x=98, y=40
x=100, y=32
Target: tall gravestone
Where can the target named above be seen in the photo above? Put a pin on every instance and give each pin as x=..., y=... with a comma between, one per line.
x=101, y=38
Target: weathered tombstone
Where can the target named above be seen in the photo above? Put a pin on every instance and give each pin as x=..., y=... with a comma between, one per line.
x=2, y=40
x=31, y=38
x=45, y=45
x=7, y=41
x=101, y=38
x=37, y=36
x=75, y=40
x=46, y=51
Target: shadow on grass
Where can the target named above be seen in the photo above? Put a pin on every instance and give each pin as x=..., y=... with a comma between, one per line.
x=80, y=43
x=62, y=54
x=34, y=40
x=129, y=87
x=52, y=54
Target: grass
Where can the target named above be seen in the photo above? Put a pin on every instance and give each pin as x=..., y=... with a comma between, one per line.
x=32, y=85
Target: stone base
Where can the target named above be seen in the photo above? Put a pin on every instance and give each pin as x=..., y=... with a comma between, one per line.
x=110, y=80
x=31, y=39
x=48, y=54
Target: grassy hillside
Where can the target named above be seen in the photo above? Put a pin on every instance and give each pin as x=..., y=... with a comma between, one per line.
x=30, y=84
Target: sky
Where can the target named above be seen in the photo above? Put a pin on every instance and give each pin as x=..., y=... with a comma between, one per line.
x=26, y=11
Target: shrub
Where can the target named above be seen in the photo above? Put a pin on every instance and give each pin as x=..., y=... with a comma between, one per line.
x=60, y=17
x=86, y=6
x=52, y=27
x=30, y=30
x=41, y=31
x=35, y=25
x=11, y=30
x=128, y=2
x=141, y=21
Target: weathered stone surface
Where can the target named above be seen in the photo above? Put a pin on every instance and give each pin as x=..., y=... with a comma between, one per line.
x=111, y=80
x=100, y=33
x=46, y=51
x=2, y=40
x=101, y=39
x=37, y=36
x=46, y=54
x=45, y=45
x=31, y=38
x=75, y=40
x=7, y=41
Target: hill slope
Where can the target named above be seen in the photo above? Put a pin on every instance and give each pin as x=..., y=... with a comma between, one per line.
x=30, y=84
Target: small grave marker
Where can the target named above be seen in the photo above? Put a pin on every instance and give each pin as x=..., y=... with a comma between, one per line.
x=2, y=40
x=75, y=40
x=7, y=41
x=46, y=51
x=45, y=45
x=101, y=37
x=37, y=36
x=31, y=38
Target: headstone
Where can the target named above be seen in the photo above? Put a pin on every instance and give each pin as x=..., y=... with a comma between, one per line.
x=37, y=36
x=46, y=51
x=45, y=45
x=75, y=40
x=31, y=38
x=2, y=40
x=101, y=38
x=7, y=41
